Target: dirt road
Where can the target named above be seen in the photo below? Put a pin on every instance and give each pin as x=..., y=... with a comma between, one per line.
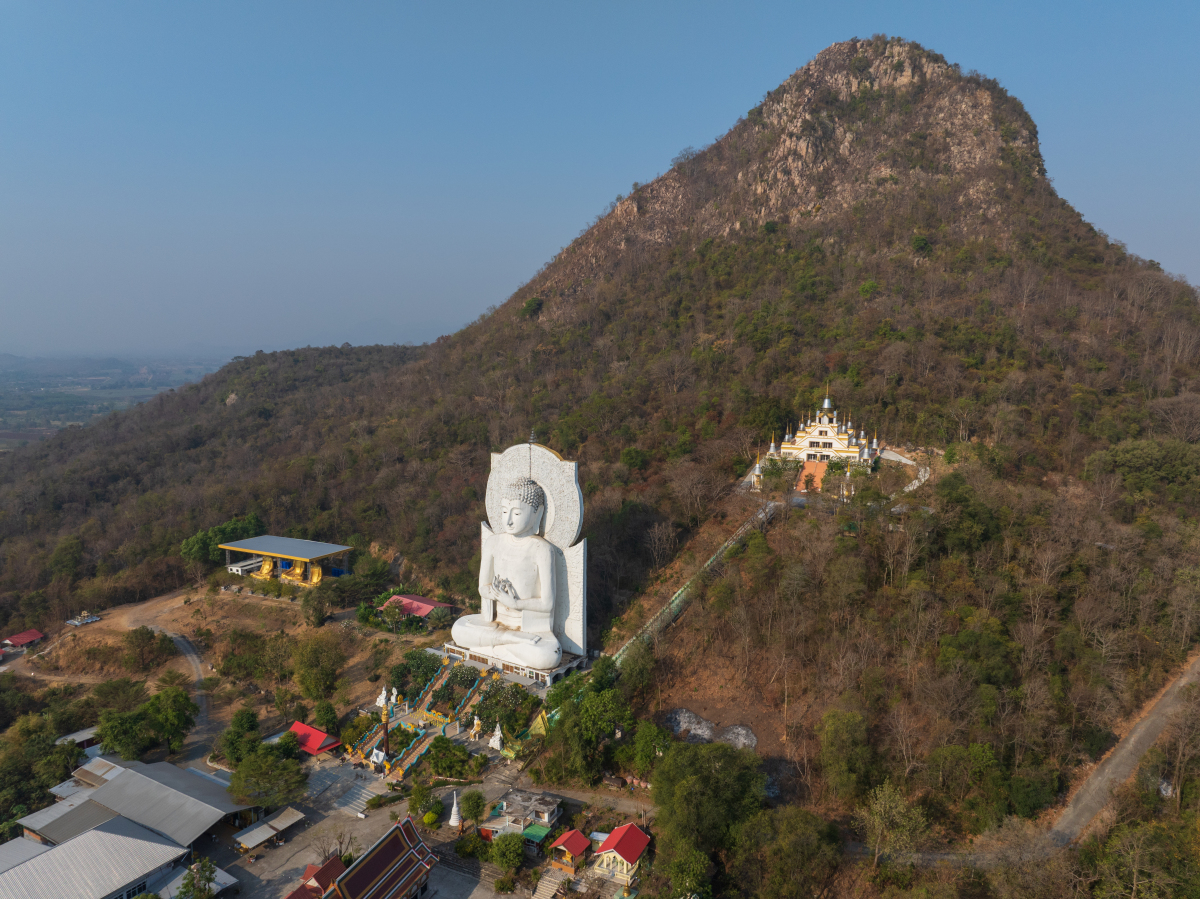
x=1122, y=760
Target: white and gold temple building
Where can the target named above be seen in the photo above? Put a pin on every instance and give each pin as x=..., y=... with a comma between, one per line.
x=820, y=440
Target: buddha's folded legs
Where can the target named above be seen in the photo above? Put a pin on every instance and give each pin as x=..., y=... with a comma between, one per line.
x=532, y=650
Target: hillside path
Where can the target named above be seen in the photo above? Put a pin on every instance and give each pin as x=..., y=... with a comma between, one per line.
x=1122, y=760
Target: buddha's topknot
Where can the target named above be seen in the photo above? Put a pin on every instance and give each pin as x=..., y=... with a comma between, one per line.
x=526, y=490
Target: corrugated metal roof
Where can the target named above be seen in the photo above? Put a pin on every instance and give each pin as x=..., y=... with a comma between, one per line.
x=222, y=778
x=83, y=817
x=68, y=788
x=14, y=852
x=174, y=814
x=42, y=817
x=79, y=736
x=94, y=864
x=98, y=772
x=268, y=827
x=286, y=547
x=207, y=791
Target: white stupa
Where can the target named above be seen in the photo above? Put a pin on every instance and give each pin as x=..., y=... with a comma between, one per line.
x=455, y=817
x=497, y=741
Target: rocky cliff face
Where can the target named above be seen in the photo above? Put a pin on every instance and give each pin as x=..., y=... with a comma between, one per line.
x=858, y=125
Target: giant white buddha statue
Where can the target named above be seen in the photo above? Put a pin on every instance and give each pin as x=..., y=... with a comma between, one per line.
x=518, y=587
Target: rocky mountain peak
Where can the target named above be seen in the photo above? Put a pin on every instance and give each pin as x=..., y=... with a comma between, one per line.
x=858, y=125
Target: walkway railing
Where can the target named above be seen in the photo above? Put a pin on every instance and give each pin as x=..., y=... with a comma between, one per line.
x=677, y=603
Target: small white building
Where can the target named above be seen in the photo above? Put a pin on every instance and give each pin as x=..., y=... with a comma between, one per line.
x=245, y=566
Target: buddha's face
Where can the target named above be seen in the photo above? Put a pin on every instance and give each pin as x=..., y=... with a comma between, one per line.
x=520, y=518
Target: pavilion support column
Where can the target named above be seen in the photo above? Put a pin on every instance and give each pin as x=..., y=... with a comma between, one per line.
x=226, y=558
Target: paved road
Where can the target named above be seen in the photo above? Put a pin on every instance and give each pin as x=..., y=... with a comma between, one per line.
x=1121, y=761
x=202, y=737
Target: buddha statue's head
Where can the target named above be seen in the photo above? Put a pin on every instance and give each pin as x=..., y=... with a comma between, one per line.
x=523, y=507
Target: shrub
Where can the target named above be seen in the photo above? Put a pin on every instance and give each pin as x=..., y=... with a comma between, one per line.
x=430, y=818
x=473, y=846
x=505, y=884
x=634, y=459
x=532, y=307
x=448, y=758
x=508, y=851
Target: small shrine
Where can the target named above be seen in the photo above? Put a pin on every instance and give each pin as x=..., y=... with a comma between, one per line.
x=568, y=851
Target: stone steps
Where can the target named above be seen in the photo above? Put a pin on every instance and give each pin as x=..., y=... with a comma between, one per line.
x=549, y=884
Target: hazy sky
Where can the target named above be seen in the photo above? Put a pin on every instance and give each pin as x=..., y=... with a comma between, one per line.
x=235, y=176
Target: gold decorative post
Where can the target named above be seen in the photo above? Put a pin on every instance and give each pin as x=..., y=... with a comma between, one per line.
x=387, y=749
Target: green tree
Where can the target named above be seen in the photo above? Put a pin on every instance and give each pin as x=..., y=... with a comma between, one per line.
x=391, y=616
x=447, y=758
x=316, y=607
x=241, y=737
x=325, y=716
x=650, y=743
x=473, y=806
x=203, y=546
x=421, y=797
x=601, y=714
x=703, y=791
x=198, y=881
x=888, y=823
x=261, y=778
x=170, y=714
x=508, y=851
x=784, y=853
x=356, y=727
x=64, y=561
x=125, y=733
x=120, y=695
x=140, y=642
x=286, y=747
x=440, y=617
x=845, y=753
x=318, y=659
x=637, y=669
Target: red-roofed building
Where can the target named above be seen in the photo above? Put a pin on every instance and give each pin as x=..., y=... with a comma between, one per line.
x=25, y=639
x=415, y=605
x=313, y=741
x=568, y=851
x=620, y=855
x=318, y=879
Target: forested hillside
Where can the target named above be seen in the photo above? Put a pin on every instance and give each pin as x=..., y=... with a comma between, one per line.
x=881, y=226
x=880, y=223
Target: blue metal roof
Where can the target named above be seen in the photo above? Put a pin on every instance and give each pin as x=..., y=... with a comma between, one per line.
x=286, y=548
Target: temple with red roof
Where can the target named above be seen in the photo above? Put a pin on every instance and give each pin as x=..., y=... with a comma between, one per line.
x=620, y=855
x=415, y=605
x=397, y=866
x=313, y=741
x=317, y=879
x=569, y=850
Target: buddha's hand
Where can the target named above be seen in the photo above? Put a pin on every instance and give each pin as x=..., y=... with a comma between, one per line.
x=502, y=591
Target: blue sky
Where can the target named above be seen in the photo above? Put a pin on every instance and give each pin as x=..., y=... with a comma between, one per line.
x=225, y=177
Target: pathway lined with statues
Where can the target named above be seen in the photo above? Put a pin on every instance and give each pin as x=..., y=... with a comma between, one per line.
x=437, y=723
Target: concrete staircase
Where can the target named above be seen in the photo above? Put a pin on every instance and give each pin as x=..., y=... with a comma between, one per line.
x=552, y=878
